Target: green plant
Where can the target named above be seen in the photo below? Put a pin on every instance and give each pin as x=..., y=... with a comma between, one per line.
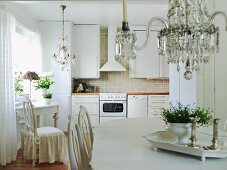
x=47, y=96
x=18, y=87
x=44, y=82
x=183, y=114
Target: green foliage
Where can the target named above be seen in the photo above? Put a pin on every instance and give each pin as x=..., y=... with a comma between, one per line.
x=47, y=96
x=182, y=114
x=18, y=87
x=44, y=82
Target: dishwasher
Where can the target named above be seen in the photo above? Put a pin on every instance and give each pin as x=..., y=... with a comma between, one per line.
x=137, y=106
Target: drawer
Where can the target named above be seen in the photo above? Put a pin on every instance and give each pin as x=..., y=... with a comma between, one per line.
x=158, y=104
x=158, y=101
x=153, y=115
x=158, y=98
x=152, y=110
x=85, y=99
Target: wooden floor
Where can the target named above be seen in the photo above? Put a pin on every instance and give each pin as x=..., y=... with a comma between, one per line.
x=21, y=164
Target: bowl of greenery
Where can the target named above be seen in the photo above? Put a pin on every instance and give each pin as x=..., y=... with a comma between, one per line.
x=44, y=83
x=178, y=118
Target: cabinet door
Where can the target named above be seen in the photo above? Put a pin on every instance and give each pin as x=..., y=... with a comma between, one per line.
x=156, y=103
x=85, y=45
x=146, y=64
x=91, y=103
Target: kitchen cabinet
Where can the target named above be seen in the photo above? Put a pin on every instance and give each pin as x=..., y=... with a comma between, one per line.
x=86, y=47
x=148, y=63
x=156, y=103
x=91, y=103
x=180, y=89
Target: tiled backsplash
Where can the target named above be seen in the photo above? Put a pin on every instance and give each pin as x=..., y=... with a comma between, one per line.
x=120, y=81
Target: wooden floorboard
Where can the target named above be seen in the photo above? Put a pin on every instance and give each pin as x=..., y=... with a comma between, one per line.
x=22, y=164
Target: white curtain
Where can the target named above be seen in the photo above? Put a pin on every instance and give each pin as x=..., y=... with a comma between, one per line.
x=8, y=136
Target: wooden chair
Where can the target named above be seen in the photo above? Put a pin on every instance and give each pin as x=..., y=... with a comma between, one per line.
x=46, y=144
x=77, y=154
x=86, y=129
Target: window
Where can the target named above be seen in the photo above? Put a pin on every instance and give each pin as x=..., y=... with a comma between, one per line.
x=26, y=54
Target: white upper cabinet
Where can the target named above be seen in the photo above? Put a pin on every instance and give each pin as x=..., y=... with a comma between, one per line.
x=86, y=47
x=148, y=63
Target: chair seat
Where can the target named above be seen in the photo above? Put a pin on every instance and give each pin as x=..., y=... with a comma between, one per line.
x=52, y=145
x=48, y=131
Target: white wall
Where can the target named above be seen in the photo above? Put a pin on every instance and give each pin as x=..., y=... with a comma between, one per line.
x=61, y=89
x=22, y=16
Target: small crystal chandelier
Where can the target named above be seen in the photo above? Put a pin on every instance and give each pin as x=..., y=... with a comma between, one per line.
x=189, y=37
x=125, y=40
x=62, y=56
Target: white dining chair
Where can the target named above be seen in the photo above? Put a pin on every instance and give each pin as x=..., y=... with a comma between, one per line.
x=77, y=154
x=46, y=144
x=86, y=129
x=225, y=125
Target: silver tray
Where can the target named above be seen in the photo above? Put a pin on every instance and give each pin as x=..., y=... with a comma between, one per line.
x=165, y=140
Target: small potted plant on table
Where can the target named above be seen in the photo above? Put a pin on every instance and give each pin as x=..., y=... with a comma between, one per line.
x=178, y=119
x=47, y=98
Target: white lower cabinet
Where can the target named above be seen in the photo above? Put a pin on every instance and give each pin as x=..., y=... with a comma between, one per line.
x=156, y=103
x=91, y=103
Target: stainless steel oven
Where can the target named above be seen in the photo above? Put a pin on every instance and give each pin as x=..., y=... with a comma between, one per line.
x=113, y=106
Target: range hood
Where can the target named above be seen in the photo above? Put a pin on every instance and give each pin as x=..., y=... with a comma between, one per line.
x=112, y=64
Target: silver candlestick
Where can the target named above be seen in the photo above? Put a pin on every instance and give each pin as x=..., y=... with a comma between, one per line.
x=193, y=135
x=214, y=145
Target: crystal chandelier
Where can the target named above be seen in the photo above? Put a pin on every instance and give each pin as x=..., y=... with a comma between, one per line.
x=62, y=56
x=189, y=37
x=125, y=40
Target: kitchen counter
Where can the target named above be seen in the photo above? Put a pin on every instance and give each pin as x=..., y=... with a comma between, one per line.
x=89, y=94
x=129, y=93
x=148, y=93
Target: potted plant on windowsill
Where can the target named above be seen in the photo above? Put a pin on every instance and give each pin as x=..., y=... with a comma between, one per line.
x=47, y=98
x=178, y=119
x=44, y=83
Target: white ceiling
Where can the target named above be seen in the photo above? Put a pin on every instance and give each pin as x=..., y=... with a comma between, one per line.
x=105, y=12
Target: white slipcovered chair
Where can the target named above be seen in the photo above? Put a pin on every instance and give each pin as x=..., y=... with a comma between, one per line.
x=77, y=154
x=86, y=129
x=46, y=144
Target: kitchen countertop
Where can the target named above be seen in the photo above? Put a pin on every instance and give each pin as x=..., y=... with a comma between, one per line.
x=97, y=93
x=148, y=93
x=129, y=93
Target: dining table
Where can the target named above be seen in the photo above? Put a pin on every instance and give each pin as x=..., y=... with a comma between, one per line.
x=120, y=145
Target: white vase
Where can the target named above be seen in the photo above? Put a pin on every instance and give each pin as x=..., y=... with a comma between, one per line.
x=181, y=131
x=46, y=100
x=44, y=91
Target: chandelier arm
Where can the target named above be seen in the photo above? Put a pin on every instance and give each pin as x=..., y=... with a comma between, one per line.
x=150, y=23
x=216, y=14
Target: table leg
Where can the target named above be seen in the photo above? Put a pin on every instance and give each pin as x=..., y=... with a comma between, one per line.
x=38, y=121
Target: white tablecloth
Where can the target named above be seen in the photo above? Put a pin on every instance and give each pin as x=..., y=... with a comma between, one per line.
x=119, y=145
